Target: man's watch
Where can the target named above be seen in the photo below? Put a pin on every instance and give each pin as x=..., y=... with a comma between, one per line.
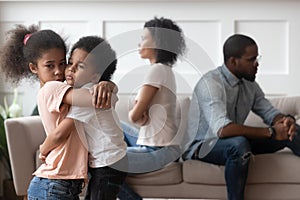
x=272, y=132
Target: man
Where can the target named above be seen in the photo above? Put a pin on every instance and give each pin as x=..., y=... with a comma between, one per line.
x=221, y=102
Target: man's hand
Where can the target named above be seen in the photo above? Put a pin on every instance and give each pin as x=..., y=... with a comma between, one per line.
x=291, y=124
x=102, y=93
x=285, y=129
x=281, y=131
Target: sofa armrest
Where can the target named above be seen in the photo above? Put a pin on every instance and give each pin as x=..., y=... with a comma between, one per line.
x=286, y=105
x=24, y=135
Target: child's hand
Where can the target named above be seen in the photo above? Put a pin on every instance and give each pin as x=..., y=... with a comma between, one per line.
x=102, y=93
x=42, y=157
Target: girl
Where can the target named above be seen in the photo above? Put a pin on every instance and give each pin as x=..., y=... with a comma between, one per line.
x=28, y=53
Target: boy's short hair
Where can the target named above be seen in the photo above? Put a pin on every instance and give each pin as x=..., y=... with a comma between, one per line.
x=105, y=61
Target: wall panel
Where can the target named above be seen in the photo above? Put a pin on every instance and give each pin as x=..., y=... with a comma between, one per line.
x=275, y=27
x=273, y=42
x=69, y=30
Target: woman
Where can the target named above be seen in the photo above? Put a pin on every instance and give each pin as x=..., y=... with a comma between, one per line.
x=162, y=43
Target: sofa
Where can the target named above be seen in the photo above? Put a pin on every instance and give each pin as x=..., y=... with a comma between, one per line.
x=271, y=176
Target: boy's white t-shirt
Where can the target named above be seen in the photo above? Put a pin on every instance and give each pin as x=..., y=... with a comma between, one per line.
x=161, y=127
x=103, y=131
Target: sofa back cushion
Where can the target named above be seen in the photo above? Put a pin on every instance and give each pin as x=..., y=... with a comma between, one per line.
x=286, y=105
x=24, y=135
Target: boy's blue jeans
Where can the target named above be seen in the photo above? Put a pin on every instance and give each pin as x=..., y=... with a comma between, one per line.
x=105, y=183
x=235, y=153
x=54, y=189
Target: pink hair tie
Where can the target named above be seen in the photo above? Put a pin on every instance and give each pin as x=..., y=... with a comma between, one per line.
x=26, y=38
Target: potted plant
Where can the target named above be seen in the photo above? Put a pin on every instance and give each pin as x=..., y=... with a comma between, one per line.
x=14, y=110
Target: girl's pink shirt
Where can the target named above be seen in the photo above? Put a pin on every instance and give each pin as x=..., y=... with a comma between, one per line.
x=70, y=159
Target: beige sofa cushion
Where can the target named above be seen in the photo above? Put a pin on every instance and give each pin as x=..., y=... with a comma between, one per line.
x=171, y=174
x=24, y=135
x=263, y=168
x=268, y=168
x=286, y=105
x=204, y=173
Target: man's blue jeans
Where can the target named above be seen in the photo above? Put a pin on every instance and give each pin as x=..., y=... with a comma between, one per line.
x=235, y=153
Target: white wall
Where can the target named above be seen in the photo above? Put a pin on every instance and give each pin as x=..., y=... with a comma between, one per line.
x=275, y=25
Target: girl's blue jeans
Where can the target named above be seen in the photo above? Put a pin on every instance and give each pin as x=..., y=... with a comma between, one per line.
x=54, y=189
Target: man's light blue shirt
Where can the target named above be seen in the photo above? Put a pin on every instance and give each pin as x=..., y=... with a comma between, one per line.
x=220, y=98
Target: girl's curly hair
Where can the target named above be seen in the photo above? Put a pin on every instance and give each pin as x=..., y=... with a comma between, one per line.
x=17, y=53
